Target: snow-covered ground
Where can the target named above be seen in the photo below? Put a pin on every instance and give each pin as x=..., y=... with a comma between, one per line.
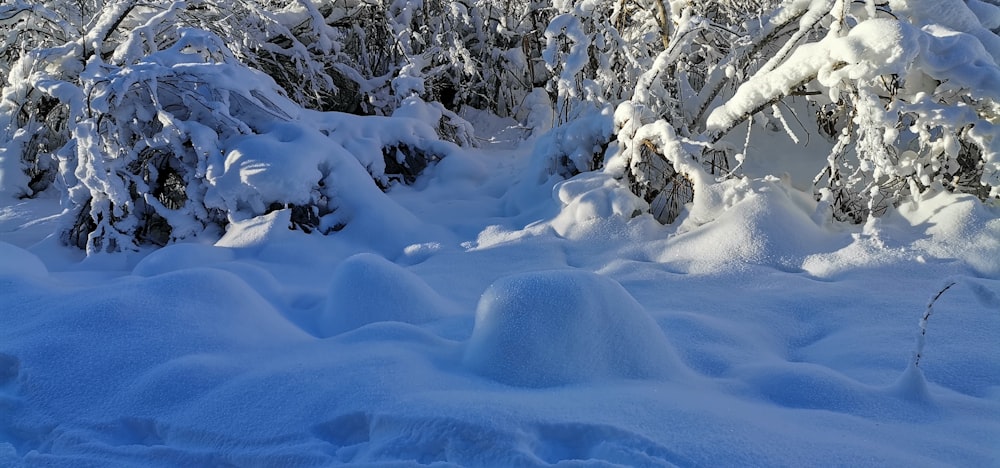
x=502, y=322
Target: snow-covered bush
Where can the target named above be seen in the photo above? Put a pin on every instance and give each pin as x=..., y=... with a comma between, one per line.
x=297, y=43
x=50, y=47
x=906, y=90
x=510, y=55
x=152, y=144
x=653, y=54
x=593, y=52
x=153, y=131
x=126, y=107
x=38, y=43
x=188, y=140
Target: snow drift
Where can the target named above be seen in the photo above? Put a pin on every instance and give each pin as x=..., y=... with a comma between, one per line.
x=562, y=327
x=368, y=288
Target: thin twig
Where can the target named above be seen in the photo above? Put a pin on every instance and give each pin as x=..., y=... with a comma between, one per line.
x=923, y=322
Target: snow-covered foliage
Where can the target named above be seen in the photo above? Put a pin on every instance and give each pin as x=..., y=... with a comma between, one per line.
x=156, y=128
x=137, y=114
x=908, y=100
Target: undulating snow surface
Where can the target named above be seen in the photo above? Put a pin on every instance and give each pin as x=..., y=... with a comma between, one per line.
x=479, y=318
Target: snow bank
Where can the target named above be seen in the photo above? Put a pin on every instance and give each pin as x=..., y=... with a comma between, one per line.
x=316, y=164
x=367, y=288
x=193, y=361
x=862, y=252
x=562, y=327
x=934, y=228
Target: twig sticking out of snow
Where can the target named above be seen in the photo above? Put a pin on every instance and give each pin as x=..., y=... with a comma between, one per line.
x=923, y=322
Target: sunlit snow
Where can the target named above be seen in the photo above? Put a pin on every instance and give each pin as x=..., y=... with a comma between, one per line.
x=832, y=298
x=560, y=331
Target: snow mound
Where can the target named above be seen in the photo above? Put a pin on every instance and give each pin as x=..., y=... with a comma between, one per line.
x=259, y=231
x=561, y=327
x=862, y=252
x=760, y=221
x=957, y=227
x=114, y=332
x=19, y=262
x=590, y=198
x=284, y=164
x=367, y=288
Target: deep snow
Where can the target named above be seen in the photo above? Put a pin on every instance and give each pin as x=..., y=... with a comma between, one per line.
x=477, y=319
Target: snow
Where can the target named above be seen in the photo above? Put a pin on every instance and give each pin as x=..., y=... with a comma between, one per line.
x=498, y=312
x=955, y=15
x=765, y=222
x=959, y=52
x=474, y=321
x=367, y=288
x=958, y=55
x=258, y=172
x=555, y=328
x=18, y=261
x=960, y=229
